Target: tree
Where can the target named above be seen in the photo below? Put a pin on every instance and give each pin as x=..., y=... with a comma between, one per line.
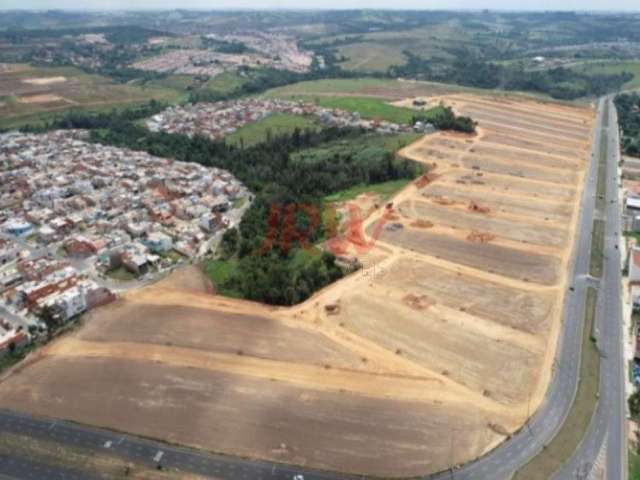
x=634, y=404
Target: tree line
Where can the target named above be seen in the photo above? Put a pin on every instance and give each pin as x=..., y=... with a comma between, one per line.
x=628, y=106
x=469, y=70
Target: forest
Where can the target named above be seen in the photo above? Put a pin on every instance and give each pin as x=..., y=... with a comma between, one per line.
x=628, y=106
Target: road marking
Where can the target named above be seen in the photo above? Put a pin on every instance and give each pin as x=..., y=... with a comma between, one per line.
x=158, y=456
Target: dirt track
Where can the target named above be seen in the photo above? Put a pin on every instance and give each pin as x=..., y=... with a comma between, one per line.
x=445, y=338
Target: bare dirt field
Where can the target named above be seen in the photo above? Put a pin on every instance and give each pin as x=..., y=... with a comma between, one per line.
x=429, y=356
x=44, y=81
x=42, y=98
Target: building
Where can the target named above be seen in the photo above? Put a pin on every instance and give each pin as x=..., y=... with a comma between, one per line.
x=18, y=227
x=634, y=266
x=159, y=242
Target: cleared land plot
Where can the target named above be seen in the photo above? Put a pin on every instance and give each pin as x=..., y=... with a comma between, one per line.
x=522, y=231
x=502, y=165
x=230, y=333
x=515, y=308
x=431, y=355
x=481, y=181
x=501, y=151
x=488, y=257
x=536, y=212
x=401, y=328
x=36, y=94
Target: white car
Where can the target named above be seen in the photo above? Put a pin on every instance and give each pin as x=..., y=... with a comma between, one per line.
x=298, y=477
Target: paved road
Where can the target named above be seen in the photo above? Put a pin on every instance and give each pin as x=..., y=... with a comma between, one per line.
x=499, y=464
x=141, y=451
x=608, y=427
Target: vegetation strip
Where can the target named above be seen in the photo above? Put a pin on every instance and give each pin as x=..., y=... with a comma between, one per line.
x=574, y=428
x=597, y=248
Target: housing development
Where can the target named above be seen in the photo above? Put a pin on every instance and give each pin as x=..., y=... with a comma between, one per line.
x=73, y=212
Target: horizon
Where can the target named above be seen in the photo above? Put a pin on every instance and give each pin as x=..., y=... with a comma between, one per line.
x=495, y=6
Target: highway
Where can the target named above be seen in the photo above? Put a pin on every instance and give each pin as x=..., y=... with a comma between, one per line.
x=607, y=431
x=607, y=425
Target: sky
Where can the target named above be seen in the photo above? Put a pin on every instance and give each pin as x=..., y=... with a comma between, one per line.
x=581, y=5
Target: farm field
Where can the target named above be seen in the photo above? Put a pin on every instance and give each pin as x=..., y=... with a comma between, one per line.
x=432, y=354
x=371, y=57
x=363, y=87
x=30, y=95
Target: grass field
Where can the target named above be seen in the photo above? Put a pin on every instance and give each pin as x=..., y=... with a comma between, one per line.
x=35, y=95
x=385, y=190
x=219, y=271
x=373, y=87
x=371, y=57
x=575, y=426
x=607, y=68
x=601, y=187
x=366, y=146
x=274, y=124
x=121, y=274
x=225, y=83
x=634, y=466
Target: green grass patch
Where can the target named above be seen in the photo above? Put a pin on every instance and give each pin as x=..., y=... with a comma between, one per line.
x=274, y=124
x=173, y=256
x=564, y=444
x=219, y=271
x=634, y=465
x=121, y=274
x=365, y=147
x=12, y=358
x=386, y=190
x=225, y=83
x=597, y=248
x=601, y=185
x=634, y=235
